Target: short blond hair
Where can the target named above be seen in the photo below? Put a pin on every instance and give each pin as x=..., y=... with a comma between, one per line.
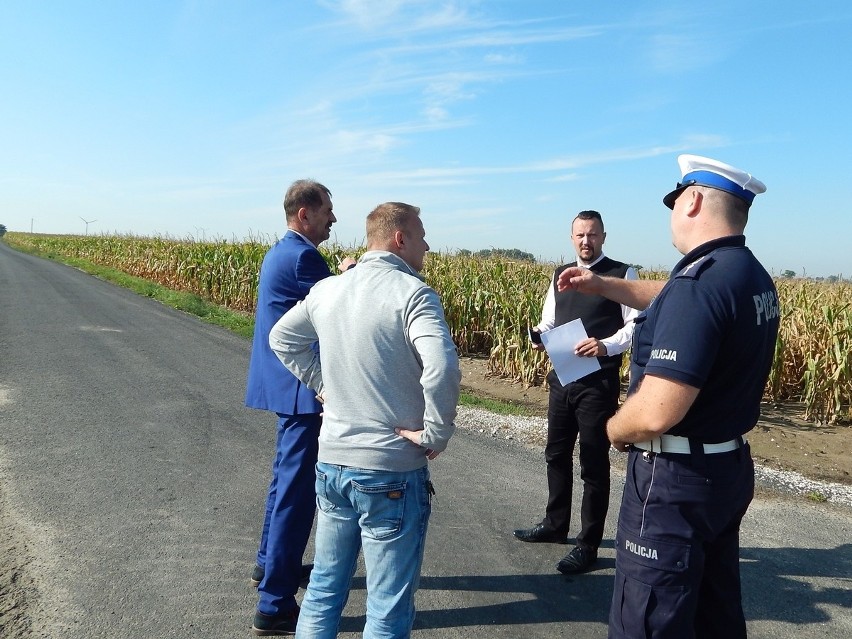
x=388, y=218
x=732, y=208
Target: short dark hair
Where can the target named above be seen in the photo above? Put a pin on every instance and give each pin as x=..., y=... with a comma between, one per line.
x=303, y=193
x=589, y=215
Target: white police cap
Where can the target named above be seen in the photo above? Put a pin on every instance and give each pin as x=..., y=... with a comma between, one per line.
x=700, y=171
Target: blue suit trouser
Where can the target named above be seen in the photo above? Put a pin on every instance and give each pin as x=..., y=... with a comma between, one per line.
x=290, y=508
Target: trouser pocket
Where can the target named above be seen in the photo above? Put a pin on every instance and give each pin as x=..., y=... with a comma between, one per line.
x=381, y=506
x=653, y=594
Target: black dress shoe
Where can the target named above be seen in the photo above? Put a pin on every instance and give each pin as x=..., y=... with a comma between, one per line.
x=280, y=625
x=578, y=560
x=540, y=535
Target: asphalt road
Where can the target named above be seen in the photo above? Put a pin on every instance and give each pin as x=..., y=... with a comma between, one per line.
x=136, y=479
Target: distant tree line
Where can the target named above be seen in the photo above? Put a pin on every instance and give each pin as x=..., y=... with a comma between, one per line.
x=2, y=230
x=787, y=274
x=511, y=254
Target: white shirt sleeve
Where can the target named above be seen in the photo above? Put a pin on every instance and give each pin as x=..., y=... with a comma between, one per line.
x=619, y=341
x=548, y=311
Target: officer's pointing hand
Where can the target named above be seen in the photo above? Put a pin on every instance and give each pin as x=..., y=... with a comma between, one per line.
x=578, y=279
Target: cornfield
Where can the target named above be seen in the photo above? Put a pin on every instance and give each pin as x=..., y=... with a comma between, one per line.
x=489, y=302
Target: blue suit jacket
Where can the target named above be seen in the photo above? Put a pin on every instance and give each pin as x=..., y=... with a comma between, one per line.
x=289, y=270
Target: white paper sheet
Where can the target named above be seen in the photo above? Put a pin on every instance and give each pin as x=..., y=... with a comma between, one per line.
x=559, y=343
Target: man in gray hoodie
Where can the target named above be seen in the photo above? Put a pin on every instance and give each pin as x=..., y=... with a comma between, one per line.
x=389, y=376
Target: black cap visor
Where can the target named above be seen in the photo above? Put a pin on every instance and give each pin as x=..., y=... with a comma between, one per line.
x=669, y=200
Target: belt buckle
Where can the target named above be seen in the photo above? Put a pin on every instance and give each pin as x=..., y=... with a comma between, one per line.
x=656, y=446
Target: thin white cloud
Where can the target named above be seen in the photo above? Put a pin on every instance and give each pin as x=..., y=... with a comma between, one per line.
x=448, y=16
x=364, y=142
x=552, y=165
x=672, y=54
x=417, y=15
x=492, y=39
x=435, y=113
x=503, y=58
x=454, y=25
x=422, y=54
x=306, y=141
x=566, y=177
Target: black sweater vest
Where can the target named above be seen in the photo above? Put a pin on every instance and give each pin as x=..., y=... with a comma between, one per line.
x=601, y=317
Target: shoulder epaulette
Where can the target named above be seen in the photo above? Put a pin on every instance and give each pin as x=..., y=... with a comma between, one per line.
x=694, y=269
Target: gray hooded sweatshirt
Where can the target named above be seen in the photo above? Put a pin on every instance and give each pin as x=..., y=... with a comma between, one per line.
x=386, y=361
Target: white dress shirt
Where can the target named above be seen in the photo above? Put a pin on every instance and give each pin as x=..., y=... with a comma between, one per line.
x=616, y=343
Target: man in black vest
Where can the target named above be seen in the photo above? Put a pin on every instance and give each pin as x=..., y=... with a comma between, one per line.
x=583, y=407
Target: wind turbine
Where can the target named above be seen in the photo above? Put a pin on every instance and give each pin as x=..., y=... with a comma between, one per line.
x=87, y=224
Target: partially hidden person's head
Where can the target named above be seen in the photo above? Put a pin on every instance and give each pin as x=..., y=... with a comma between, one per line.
x=396, y=227
x=308, y=209
x=588, y=236
x=711, y=200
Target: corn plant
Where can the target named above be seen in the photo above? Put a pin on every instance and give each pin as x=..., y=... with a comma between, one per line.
x=489, y=303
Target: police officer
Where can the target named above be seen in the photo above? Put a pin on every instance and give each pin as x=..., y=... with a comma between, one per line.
x=702, y=351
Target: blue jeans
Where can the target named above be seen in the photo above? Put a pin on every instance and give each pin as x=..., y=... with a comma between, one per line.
x=387, y=514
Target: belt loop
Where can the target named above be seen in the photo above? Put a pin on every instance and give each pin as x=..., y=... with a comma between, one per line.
x=696, y=450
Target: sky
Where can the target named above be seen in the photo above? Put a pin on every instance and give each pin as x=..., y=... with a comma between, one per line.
x=500, y=119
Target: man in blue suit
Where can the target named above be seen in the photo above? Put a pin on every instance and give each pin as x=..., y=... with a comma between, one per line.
x=289, y=270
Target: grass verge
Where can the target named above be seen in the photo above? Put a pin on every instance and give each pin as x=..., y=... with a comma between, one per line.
x=239, y=323
x=181, y=300
x=473, y=400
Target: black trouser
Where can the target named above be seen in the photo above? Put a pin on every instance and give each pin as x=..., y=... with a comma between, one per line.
x=582, y=409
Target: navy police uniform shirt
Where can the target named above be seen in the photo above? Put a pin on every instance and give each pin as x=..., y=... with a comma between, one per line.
x=714, y=327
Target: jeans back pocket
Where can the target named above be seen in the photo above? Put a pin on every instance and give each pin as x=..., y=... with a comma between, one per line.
x=381, y=507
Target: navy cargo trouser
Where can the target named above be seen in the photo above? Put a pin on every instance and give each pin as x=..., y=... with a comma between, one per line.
x=677, y=546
